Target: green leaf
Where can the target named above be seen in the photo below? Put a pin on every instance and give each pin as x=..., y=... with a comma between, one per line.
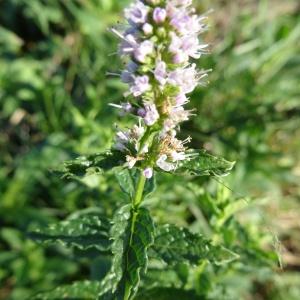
x=178, y=245
x=203, y=164
x=128, y=180
x=166, y=294
x=132, y=234
x=92, y=164
x=83, y=232
x=87, y=290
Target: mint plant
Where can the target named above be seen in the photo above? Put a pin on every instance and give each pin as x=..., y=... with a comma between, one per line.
x=159, y=45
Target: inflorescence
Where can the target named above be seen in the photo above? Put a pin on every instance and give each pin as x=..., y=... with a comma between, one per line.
x=158, y=43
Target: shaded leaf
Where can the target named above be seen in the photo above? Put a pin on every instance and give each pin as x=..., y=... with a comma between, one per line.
x=87, y=290
x=177, y=245
x=92, y=164
x=166, y=294
x=132, y=234
x=84, y=232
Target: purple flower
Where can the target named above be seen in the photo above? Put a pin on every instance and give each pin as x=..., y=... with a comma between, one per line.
x=180, y=58
x=137, y=13
x=141, y=85
x=152, y=115
x=143, y=50
x=141, y=112
x=159, y=15
x=181, y=99
x=159, y=31
x=148, y=173
x=126, y=77
x=191, y=46
x=128, y=44
x=186, y=79
x=160, y=72
x=186, y=46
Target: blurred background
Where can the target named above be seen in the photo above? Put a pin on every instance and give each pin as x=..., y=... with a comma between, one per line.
x=54, y=96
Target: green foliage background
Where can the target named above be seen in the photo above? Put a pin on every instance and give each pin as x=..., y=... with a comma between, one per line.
x=54, y=96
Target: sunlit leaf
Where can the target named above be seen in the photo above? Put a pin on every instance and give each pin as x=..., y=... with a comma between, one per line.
x=87, y=290
x=176, y=245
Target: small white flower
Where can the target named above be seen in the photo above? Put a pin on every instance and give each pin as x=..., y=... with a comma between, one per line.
x=163, y=164
x=147, y=28
x=131, y=161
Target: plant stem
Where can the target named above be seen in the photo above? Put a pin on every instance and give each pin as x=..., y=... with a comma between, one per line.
x=139, y=191
x=136, y=201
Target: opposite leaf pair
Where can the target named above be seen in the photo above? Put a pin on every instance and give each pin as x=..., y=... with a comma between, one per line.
x=133, y=240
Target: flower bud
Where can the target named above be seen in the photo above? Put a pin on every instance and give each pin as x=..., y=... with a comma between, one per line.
x=159, y=15
x=147, y=29
x=148, y=173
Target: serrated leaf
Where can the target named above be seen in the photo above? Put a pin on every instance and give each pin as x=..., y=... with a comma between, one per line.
x=92, y=164
x=201, y=163
x=178, y=245
x=132, y=234
x=128, y=180
x=83, y=232
x=166, y=294
x=87, y=290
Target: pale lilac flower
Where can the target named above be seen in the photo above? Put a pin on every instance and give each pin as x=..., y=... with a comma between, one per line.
x=159, y=29
x=185, y=78
x=160, y=72
x=137, y=13
x=140, y=86
x=183, y=47
x=181, y=99
x=148, y=173
x=152, y=114
x=141, y=112
x=159, y=15
x=180, y=58
x=168, y=126
x=192, y=47
x=176, y=43
x=179, y=114
x=180, y=21
x=143, y=50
